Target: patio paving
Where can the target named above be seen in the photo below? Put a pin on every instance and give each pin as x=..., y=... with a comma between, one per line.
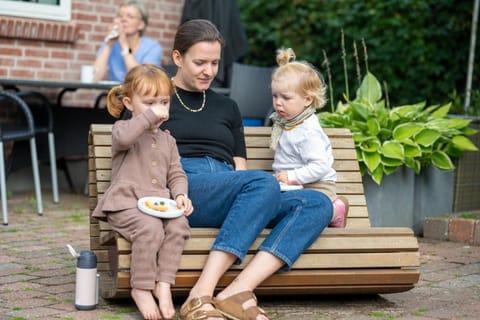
x=37, y=275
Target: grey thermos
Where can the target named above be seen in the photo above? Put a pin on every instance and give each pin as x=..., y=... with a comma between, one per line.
x=86, y=281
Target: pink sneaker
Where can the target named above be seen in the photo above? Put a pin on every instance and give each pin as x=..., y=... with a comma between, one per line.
x=340, y=211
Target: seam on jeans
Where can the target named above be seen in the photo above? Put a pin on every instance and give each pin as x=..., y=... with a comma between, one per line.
x=293, y=220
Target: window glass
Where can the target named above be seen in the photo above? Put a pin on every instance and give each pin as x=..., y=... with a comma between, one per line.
x=39, y=9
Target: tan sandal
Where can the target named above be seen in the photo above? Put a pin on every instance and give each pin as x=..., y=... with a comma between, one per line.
x=232, y=307
x=191, y=310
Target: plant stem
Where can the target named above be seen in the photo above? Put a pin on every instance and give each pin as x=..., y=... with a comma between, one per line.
x=329, y=75
x=344, y=59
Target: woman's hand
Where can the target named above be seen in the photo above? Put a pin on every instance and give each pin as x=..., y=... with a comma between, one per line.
x=184, y=202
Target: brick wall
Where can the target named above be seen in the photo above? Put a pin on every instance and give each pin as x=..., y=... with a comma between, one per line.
x=45, y=49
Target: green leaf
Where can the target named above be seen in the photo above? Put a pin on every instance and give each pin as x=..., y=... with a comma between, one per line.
x=412, y=151
x=406, y=130
x=389, y=170
x=442, y=161
x=373, y=126
x=377, y=175
x=370, y=89
x=371, y=160
x=393, y=149
x=413, y=164
x=391, y=162
x=427, y=137
x=463, y=143
x=442, y=111
x=370, y=145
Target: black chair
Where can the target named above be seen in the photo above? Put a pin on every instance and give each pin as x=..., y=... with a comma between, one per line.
x=43, y=118
x=22, y=129
x=250, y=87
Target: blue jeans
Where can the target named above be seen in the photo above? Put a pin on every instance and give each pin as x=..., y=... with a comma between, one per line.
x=302, y=217
x=243, y=203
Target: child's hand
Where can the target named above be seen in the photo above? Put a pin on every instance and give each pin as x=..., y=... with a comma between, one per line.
x=186, y=203
x=161, y=112
x=282, y=177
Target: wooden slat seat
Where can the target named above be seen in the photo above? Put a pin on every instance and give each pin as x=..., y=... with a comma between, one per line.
x=358, y=259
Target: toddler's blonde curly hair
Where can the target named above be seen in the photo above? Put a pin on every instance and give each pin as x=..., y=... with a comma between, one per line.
x=306, y=79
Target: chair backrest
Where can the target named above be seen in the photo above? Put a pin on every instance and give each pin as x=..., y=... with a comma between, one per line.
x=24, y=127
x=251, y=88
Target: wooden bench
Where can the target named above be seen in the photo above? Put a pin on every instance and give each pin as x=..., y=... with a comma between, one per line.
x=359, y=259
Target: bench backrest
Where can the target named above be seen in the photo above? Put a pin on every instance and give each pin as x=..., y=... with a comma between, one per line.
x=259, y=156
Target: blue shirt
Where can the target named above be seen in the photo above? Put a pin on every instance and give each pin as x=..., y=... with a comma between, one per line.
x=149, y=51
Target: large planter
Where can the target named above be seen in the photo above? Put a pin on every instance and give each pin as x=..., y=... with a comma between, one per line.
x=405, y=199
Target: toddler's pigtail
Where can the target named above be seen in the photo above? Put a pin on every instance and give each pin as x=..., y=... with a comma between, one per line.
x=114, y=101
x=285, y=56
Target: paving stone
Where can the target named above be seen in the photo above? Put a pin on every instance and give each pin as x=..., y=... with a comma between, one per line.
x=42, y=281
x=435, y=228
x=461, y=230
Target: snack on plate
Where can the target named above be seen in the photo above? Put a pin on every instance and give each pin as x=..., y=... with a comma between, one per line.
x=157, y=205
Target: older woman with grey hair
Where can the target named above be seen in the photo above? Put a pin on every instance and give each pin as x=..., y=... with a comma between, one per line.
x=125, y=46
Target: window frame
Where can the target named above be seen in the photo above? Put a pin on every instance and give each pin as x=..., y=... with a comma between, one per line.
x=61, y=12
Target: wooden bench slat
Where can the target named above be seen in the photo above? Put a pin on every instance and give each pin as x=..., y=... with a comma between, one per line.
x=356, y=259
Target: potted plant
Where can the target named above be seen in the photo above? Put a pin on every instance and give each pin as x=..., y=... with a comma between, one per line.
x=397, y=139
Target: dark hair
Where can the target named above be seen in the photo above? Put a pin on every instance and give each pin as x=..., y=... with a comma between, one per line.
x=194, y=31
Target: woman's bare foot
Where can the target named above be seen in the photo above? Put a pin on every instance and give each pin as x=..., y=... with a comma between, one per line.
x=164, y=296
x=146, y=304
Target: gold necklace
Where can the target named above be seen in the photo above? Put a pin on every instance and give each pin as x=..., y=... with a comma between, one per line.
x=185, y=106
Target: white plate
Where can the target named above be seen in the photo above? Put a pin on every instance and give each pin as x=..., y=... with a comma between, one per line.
x=173, y=211
x=288, y=187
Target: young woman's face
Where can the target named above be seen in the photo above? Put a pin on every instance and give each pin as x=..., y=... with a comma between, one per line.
x=130, y=19
x=198, y=66
x=137, y=104
x=287, y=102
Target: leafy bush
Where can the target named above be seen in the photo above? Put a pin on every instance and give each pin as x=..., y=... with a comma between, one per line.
x=419, y=47
x=413, y=135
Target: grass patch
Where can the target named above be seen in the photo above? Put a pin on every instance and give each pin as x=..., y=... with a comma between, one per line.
x=382, y=315
x=421, y=312
x=469, y=216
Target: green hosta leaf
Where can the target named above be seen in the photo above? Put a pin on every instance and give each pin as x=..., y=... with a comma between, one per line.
x=445, y=124
x=427, y=137
x=442, y=161
x=393, y=149
x=371, y=160
x=334, y=120
x=370, y=89
x=373, y=126
x=369, y=145
x=442, y=111
x=391, y=162
x=412, y=151
x=377, y=175
x=463, y=143
x=413, y=164
x=409, y=111
x=389, y=170
x=360, y=111
x=469, y=131
x=406, y=130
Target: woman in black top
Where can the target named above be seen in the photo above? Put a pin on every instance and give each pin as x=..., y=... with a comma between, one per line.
x=209, y=133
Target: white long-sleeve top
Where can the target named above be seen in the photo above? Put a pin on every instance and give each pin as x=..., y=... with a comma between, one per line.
x=305, y=152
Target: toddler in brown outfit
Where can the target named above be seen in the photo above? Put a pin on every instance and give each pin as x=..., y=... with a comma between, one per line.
x=145, y=162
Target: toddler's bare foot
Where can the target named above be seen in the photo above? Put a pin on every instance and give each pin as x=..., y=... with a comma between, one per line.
x=146, y=304
x=164, y=296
